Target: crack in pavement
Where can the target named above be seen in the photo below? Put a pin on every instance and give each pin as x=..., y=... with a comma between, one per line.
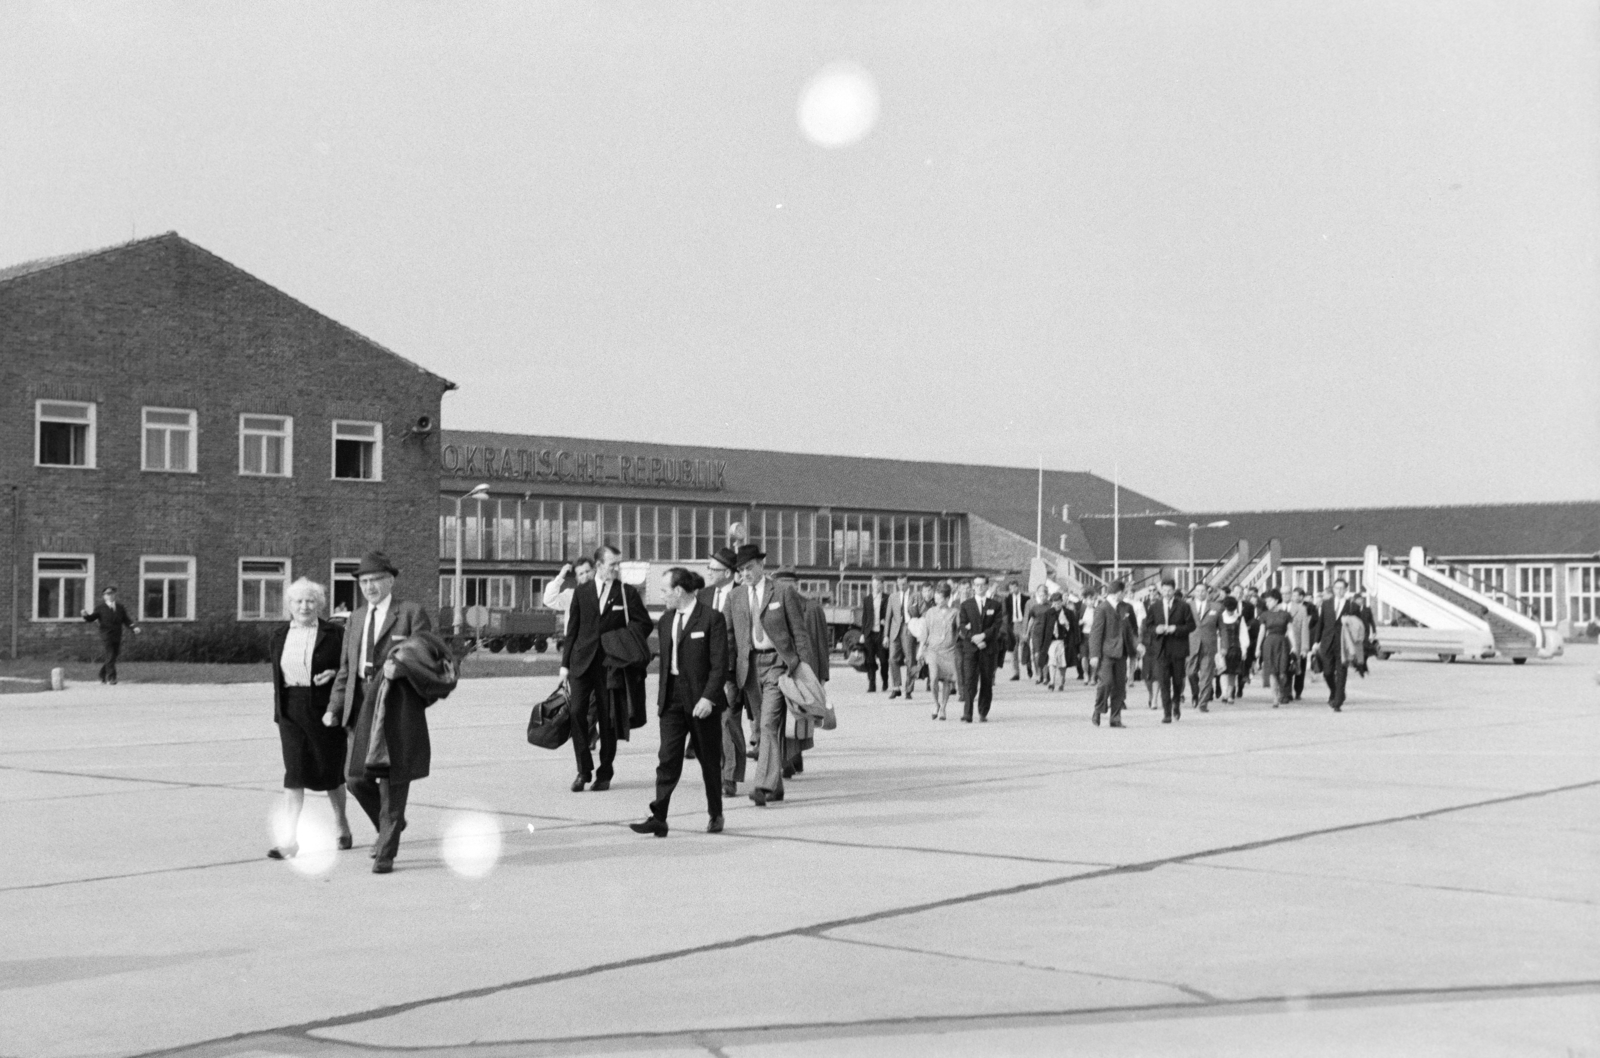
x=818, y=929
x=1390, y=882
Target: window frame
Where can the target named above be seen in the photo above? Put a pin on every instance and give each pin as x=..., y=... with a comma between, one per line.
x=287, y=577
x=377, y=448
x=288, y=445
x=88, y=586
x=192, y=456
x=334, y=580
x=90, y=447
x=188, y=601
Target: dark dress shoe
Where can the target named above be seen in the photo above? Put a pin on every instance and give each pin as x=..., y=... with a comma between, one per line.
x=893, y=695
x=579, y=783
x=1177, y=714
x=1166, y=719
x=759, y=796
x=788, y=771
x=600, y=785
x=715, y=826
x=966, y=719
x=382, y=866
x=1115, y=723
x=1204, y=709
x=1014, y=679
x=799, y=765
x=281, y=854
x=775, y=796
x=730, y=789
x=1095, y=719
x=347, y=841
x=983, y=719
x=655, y=826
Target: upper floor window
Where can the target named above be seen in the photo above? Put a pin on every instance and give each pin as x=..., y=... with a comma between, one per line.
x=169, y=439
x=358, y=450
x=166, y=588
x=64, y=433
x=61, y=586
x=265, y=445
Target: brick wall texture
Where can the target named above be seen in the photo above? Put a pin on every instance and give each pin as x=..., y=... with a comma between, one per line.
x=163, y=323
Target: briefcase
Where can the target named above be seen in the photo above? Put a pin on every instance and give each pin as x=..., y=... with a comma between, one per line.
x=550, y=723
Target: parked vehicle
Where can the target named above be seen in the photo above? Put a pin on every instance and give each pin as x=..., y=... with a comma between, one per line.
x=510, y=631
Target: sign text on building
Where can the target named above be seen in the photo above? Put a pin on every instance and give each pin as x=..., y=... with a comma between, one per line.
x=545, y=464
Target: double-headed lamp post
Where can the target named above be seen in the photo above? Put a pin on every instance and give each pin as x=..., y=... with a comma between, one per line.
x=458, y=594
x=1172, y=525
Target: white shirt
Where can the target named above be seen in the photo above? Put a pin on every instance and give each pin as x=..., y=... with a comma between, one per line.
x=680, y=621
x=758, y=598
x=720, y=598
x=374, y=620
x=295, y=661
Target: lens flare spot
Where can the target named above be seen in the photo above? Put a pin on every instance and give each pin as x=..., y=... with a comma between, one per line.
x=313, y=837
x=472, y=843
x=839, y=105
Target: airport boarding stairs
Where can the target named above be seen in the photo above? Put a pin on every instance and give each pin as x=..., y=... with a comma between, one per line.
x=1224, y=569
x=1488, y=625
x=1256, y=573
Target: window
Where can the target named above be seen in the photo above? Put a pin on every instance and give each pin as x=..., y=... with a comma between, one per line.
x=61, y=586
x=265, y=445
x=496, y=593
x=357, y=451
x=1313, y=579
x=261, y=584
x=166, y=588
x=1353, y=576
x=345, y=594
x=1583, y=594
x=821, y=590
x=1536, y=588
x=169, y=440
x=64, y=434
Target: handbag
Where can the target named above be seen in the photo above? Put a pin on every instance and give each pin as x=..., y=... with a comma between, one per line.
x=624, y=644
x=857, y=658
x=550, y=723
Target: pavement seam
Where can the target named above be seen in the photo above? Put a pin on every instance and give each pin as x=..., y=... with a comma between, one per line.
x=1391, y=883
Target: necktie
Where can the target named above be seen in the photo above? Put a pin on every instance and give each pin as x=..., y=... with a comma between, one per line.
x=677, y=632
x=371, y=637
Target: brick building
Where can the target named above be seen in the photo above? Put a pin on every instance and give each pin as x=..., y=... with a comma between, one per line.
x=183, y=430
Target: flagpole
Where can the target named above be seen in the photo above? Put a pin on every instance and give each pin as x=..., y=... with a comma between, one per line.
x=1116, y=520
x=1038, y=532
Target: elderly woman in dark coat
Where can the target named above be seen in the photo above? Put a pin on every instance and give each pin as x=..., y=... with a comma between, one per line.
x=305, y=655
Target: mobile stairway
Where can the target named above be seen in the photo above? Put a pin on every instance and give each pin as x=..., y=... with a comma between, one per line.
x=1455, y=617
x=1256, y=573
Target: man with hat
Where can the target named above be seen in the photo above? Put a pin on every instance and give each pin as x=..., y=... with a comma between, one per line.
x=377, y=626
x=720, y=568
x=1113, y=640
x=112, y=617
x=771, y=638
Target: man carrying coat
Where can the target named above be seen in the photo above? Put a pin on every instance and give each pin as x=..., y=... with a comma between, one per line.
x=1112, y=643
x=694, y=662
x=1167, y=624
x=601, y=688
x=373, y=631
x=1335, y=666
x=772, y=637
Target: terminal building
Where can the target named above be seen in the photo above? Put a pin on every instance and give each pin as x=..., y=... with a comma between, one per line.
x=183, y=430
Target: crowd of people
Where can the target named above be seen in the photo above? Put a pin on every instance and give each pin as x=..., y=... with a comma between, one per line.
x=737, y=641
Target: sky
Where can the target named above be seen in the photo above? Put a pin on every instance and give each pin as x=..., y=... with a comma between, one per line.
x=1243, y=254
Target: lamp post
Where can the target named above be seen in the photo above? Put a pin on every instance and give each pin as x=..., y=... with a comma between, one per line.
x=1192, y=527
x=458, y=593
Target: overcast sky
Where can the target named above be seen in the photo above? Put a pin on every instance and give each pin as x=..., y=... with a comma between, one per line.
x=1261, y=254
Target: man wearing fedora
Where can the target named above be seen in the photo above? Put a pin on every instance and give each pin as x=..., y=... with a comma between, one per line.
x=720, y=568
x=372, y=632
x=771, y=636
x=112, y=617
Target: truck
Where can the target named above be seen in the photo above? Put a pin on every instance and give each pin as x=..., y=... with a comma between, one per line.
x=511, y=631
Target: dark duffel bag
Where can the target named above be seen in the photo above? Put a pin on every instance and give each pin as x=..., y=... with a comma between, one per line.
x=550, y=724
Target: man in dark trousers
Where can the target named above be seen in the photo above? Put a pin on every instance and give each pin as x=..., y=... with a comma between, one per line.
x=979, y=624
x=874, y=626
x=1113, y=642
x=112, y=617
x=1335, y=670
x=694, y=664
x=373, y=630
x=1015, y=632
x=1167, y=624
x=603, y=605
x=719, y=588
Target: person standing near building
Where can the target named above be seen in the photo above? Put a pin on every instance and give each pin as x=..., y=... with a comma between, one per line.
x=980, y=623
x=1113, y=642
x=874, y=621
x=719, y=588
x=558, y=597
x=694, y=664
x=383, y=622
x=112, y=617
x=769, y=627
x=1330, y=649
x=1302, y=638
x=598, y=691
x=1168, y=622
x=1016, y=630
x=901, y=664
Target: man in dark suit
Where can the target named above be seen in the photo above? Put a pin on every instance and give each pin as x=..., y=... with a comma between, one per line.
x=694, y=663
x=603, y=605
x=1202, y=661
x=1335, y=670
x=1113, y=642
x=1167, y=624
x=1015, y=633
x=772, y=638
x=112, y=618
x=720, y=585
x=373, y=630
x=979, y=624
x=874, y=627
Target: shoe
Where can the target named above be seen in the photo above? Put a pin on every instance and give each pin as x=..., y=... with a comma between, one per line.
x=788, y=771
x=1205, y=709
x=112, y=681
x=943, y=717
x=936, y=714
x=579, y=783
x=730, y=789
x=1014, y=679
x=1177, y=714
x=1337, y=709
x=908, y=696
x=799, y=765
x=872, y=690
x=383, y=867
x=1115, y=723
x=893, y=695
x=715, y=826
x=347, y=841
x=652, y=825
x=775, y=796
x=759, y=796
x=600, y=785
x=966, y=719
x=1166, y=719
x=1095, y=719
x=283, y=853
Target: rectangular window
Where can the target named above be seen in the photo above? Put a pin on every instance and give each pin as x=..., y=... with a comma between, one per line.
x=611, y=527
x=502, y=593
x=261, y=584
x=169, y=440
x=1312, y=579
x=265, y=445
x=901, y=561
x=630, y=531
x=344, y=592
x=1536, y=588
x=1583, y=595
x=64, y=433
x=589, y=527
x=357, y=451
x=702, y=533
x=1353, y=576
x=62, y=586
x=166, y=588
x=805, y=554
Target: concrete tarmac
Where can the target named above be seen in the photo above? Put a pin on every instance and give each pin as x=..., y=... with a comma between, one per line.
x=1417, y=875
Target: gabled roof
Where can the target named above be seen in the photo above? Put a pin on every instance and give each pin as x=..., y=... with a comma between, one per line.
x=13, y=273
x=1005, y=496
x=1498, y=529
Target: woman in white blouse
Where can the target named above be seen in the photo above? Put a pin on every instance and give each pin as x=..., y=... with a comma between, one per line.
x=305, y=658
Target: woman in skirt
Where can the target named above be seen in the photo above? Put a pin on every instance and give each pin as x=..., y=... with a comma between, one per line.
x=939, y=649
x=1273, y=653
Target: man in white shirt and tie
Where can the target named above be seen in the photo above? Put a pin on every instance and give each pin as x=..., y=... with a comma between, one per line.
x=720, y=586
x=771, y=636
